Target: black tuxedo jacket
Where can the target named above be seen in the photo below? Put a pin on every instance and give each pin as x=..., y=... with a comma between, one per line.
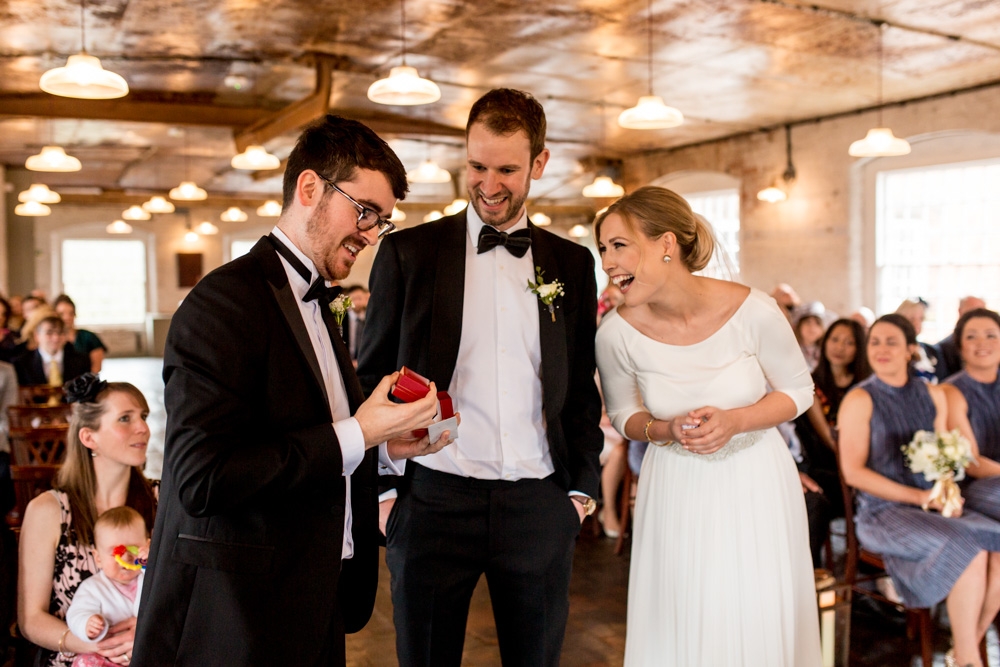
x=414, y=319
x=30, y=369
x=245, y=563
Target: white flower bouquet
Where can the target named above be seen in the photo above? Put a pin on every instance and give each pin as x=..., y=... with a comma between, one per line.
x=942, y=458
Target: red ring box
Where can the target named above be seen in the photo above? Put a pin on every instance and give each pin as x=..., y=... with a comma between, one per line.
x=412, y=386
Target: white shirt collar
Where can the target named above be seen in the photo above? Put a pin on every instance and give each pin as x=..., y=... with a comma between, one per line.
x=47, y=358
x=475, y=223
x=300, y=285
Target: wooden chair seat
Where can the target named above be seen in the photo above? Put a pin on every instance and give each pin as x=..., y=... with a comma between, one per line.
x=38, y=446
x=39, y=416
x=33, y=394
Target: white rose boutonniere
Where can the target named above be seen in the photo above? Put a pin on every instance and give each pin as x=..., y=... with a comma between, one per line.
x=339, y=308
x=546, y=292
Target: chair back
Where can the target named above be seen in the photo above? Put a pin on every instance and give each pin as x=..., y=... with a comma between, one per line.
x=29, y=482
x=41, y=393
x=38, y=416
x=38, y=446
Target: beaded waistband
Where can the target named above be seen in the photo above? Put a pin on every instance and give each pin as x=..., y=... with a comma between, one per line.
x=737, y=444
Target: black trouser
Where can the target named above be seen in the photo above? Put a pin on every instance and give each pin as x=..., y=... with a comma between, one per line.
x=446, y=531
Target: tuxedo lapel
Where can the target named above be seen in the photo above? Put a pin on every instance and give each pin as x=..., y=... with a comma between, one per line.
x=355, y=397
x=277, y=280
x=552, y=334
x=448, y=301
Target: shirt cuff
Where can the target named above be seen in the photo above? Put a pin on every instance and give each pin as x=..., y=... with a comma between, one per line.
x=387, y=495
x=579, y=494
x=352, y=443
x=386, y=466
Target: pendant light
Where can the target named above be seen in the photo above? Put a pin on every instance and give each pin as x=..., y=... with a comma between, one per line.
x=541, y=220
x=880, y=142
x=206, y=228
x=650, y=113
x=455, y=206
x=397, y=215
x=579, y=231
x=404, y=87
x=158, y=204
x=135, y=212
x=191, y=236
x=187, y=190
x=778, y=191
x=32, y=209
x=603, y=186
x=118, y=227
x=233, y=214
x=255, y=158
x=269, y=209
x=53, y=159
x=83, y=77
x=428, y=172
x=40, y=193
x=433, y=215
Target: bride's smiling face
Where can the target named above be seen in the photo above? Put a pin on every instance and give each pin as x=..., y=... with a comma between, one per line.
x=626, y=256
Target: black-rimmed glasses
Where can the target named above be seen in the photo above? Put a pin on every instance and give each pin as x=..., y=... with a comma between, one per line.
x=367, y=217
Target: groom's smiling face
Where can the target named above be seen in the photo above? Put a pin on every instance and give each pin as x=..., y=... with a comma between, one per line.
x=332, y=231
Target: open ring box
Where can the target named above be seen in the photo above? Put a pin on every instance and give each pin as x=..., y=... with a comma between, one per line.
x=411, y=386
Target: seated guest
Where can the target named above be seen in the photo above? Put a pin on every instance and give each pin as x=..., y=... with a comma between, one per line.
x=974, y=405
x=863, y=316
x=85, y=342
x=929, y=557
x=54, y=361
x=787, y=298
x=948, y=346
x=30, y=304
x=106, y=448
x=8, y=337
x=808, y=326
x=927, y=363
x=16, y=316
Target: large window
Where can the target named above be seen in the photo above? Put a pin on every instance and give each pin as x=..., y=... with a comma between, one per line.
x=722, y=209
x=937, y=237
x=106, y=279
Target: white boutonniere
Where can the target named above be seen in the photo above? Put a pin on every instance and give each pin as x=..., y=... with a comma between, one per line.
x=339, y=308
x=546, y=292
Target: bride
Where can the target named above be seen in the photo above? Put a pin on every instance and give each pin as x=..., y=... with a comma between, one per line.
x=704, y=370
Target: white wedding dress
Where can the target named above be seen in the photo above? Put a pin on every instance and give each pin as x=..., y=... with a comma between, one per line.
x=721, y=573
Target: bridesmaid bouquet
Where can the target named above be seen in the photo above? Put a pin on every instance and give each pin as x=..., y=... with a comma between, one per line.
x=942, y=458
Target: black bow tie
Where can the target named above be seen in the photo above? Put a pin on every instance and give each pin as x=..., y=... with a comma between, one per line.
x=318, y=288
x=517, y=243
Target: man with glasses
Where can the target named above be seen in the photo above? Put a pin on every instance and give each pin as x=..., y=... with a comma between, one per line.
x=265, y=548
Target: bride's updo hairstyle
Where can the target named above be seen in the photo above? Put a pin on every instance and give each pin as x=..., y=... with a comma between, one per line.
x=654, y=211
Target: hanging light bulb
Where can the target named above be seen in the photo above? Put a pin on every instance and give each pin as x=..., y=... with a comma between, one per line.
x=433, y=215
x=187, y=191
x=32, y=209
x=158, y=204
x=255, y=158
x=404, y=86
x=603, y=186
x=269, y=209
x=233, y=214
x=83, y=77
x=191, y=236
x=40, y=193
x=778, y=191
x=579, y=231
x=52, y=158
x=880, y=141
x=428, y=172
x=455, y=206
x=541, y=220
x=207, y=228
x=136, y=212
x=118, y=227
x=650, y=113
x=397, y=215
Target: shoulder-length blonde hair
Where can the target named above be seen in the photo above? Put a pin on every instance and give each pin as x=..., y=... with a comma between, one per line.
x=77, y=478
x=654, y=211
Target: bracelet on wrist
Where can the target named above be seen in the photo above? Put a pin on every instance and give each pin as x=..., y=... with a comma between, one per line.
x=645, y=432
x=63, y=653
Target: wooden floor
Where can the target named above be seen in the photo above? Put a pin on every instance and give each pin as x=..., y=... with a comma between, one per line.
x=595, y=635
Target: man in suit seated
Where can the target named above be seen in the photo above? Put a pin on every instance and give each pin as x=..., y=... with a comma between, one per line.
x=53, y=361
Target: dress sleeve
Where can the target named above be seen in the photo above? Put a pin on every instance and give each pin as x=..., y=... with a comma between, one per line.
x=779, y=356
x=618, y=377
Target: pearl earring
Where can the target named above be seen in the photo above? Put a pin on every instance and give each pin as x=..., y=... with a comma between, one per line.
x=666, y=258
x=93, y=454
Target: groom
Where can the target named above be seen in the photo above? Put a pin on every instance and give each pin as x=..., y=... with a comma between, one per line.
x=451, y=301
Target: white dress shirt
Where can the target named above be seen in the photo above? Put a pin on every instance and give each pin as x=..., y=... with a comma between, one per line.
x=347, y=428
x=48, y=358
x=497, y=382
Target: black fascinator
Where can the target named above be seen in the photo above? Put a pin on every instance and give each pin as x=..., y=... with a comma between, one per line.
x=85, y=388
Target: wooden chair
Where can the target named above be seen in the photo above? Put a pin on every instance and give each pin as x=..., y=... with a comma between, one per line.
x=33, y=394
x=23, y=417
x=38, y=446
x=29, y=481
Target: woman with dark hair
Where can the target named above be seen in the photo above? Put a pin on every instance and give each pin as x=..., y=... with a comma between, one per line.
x=106, y=448
x=929, y=557
x=8, y=337
x=705, y=370
x=85, y=342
